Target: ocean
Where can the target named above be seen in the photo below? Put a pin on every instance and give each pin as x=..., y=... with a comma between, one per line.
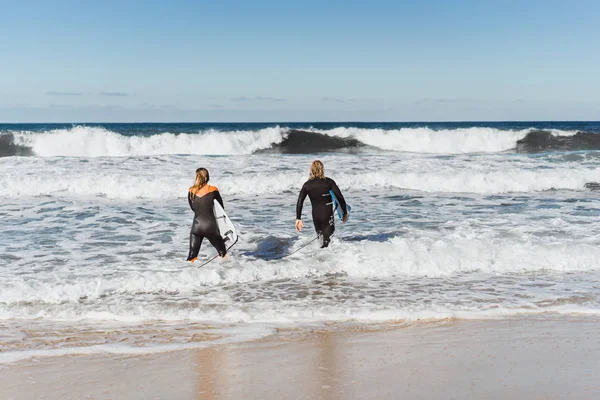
x=449, y=220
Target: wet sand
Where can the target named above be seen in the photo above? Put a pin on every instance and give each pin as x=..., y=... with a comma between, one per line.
x=544, y=357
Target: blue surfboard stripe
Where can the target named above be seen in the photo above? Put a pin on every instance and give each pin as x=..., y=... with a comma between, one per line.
x=336, y=206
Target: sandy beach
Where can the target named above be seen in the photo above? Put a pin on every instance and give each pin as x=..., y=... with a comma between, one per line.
x=541, y=357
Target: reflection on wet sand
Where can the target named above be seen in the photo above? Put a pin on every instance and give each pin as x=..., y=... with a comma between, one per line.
x=209, y=380
x=311, y=373
x=513, y=358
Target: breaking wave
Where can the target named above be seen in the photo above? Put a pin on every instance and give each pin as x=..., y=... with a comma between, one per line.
x=87, y=141
x=114, y=184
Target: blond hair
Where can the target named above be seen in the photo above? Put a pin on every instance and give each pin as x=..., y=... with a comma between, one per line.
x=202, y=178
x=317, y=170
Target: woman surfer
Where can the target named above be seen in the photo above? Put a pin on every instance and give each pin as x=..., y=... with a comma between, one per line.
x=201, y=198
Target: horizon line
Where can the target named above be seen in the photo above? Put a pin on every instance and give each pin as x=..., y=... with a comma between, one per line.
x=301, y=122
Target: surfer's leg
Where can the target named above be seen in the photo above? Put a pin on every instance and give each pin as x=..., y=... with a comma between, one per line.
x=324, y=228
x=327, y=232
x=218, y=243
x=195, y=242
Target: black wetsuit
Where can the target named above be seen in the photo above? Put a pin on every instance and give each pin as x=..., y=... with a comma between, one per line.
x=205, y=224
x=317, y=190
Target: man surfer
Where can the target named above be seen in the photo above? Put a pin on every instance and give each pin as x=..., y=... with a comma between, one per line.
x=317, y=188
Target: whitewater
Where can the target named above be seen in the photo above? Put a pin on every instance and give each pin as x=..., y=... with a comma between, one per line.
x=449, y=221
x=98, y=141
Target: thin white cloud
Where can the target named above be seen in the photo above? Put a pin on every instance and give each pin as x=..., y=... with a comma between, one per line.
x=108, y=94
x=114, y=94
x=259, y=98
x=434, y=100
x=56, y=93
x=337, y=100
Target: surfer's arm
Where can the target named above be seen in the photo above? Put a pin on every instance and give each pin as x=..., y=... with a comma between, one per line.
x=191, y=200
x=338, y=194
x=218, y=198
x=300, y=203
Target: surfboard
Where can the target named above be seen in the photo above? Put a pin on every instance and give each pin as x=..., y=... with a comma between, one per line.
x=226, y=229
x=337, y=208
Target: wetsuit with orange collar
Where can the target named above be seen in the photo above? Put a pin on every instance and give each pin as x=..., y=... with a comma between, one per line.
x=317, y=190
x=205, y=224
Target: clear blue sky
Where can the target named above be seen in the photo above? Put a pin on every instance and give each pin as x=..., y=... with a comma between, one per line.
x=299, y=60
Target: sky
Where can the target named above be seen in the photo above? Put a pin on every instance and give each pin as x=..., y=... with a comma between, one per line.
x=285, y=61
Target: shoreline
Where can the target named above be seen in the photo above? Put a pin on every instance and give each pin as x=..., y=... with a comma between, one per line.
x=528, y=357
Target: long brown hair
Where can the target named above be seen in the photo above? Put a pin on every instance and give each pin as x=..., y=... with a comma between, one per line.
x=317, y=170
x=202, y=178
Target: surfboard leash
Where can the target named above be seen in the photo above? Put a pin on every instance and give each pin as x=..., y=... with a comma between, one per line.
x=208, y=261
x=295, y=251
x=212, y=259
x=277, y=258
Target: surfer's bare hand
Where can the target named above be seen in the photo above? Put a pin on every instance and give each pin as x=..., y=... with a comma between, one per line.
x=299, y=225
x=345, y=218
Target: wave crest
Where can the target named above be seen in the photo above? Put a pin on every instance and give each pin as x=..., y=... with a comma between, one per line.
x=426, y=140
x=8, y=147
x=86, y=141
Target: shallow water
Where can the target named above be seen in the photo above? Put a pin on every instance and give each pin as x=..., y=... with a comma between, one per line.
x=469, y=235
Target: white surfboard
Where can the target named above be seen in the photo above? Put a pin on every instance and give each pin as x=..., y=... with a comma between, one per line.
x=226, y=228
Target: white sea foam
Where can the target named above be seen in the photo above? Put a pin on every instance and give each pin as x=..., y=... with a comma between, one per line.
x=425, y=140
x=86, y=141
x=169, y=176
x=230, y=336
x=98, y=295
